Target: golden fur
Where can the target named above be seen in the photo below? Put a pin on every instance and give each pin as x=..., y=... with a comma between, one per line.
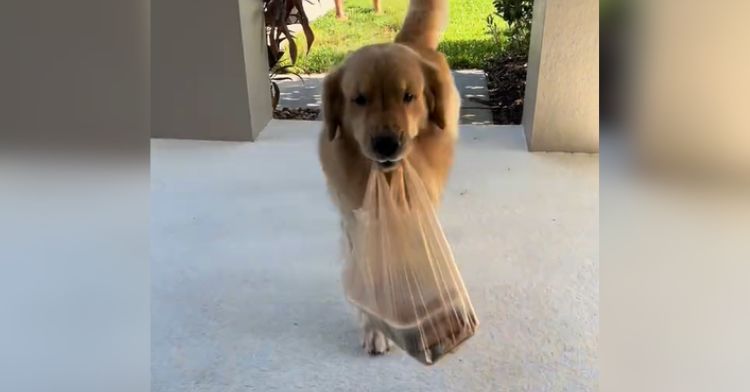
x=366, y=94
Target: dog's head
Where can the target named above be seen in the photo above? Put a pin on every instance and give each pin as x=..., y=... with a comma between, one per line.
x=382, y=98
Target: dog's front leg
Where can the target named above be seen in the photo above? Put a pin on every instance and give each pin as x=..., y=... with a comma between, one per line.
x=373, y=341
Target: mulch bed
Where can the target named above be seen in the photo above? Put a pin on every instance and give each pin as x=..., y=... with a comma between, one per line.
x=296, y=113
x=506, y=82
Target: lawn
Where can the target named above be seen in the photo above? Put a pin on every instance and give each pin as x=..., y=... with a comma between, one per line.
x=465, y=43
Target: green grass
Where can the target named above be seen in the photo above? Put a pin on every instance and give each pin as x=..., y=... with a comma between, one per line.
x=466, y=43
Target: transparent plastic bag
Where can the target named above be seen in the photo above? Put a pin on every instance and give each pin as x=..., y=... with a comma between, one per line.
x=401, y=273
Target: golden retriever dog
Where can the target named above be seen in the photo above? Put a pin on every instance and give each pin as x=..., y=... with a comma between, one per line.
x=386, y=103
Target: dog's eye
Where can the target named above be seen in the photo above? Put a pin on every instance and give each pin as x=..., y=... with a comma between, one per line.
x=408, y=97
x=360, y=100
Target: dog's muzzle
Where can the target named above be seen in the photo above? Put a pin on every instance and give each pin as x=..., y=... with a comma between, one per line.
x=388, y=165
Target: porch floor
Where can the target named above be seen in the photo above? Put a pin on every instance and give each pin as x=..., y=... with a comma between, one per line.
x=246, y=291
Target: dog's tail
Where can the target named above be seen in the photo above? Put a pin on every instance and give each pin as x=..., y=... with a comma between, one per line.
x=424, y=23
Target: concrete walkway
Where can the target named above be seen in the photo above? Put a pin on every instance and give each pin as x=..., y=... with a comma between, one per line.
x=470, y=83
x=245, y=270
x=313, y=10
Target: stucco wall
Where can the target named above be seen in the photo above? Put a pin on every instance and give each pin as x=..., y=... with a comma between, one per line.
x=209, y=70
x=562, y=95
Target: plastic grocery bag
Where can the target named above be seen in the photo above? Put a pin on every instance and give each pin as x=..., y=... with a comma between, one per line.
x=401, y=273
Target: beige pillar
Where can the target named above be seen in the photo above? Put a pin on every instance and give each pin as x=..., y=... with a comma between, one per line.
x=209, y=70
x=561, y=107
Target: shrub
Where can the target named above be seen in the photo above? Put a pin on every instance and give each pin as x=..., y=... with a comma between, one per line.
x=517, y=13
x=278, y=15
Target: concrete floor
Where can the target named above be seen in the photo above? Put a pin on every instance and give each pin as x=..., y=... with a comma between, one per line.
x=246, y=285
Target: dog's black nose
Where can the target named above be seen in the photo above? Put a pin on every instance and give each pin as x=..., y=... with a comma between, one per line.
x=386, y=146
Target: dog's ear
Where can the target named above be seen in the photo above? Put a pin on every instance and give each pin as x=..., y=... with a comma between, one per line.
x=333, y=102
x=436, y=93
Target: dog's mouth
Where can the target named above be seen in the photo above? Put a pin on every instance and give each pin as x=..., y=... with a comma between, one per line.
x=387, y=164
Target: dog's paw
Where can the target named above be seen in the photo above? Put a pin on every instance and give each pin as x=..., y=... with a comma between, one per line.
x=374, y=342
